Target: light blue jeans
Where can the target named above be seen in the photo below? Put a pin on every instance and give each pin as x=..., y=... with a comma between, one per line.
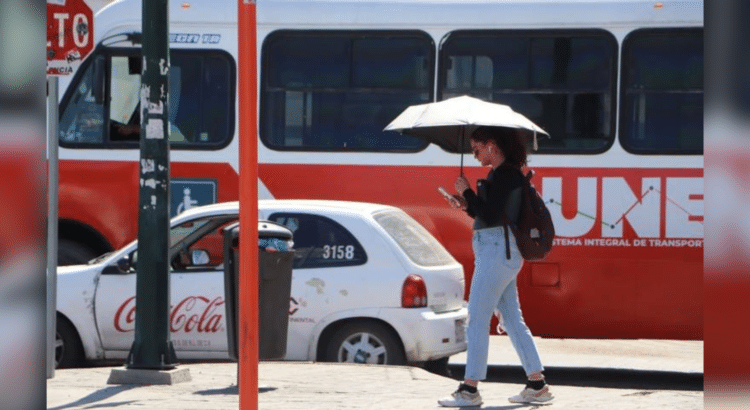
x=494, y=286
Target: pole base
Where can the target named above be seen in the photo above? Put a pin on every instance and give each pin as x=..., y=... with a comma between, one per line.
x=148, y=376
x=153, y=355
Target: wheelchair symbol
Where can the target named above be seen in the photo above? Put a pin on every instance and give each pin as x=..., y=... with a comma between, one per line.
x=187, y=202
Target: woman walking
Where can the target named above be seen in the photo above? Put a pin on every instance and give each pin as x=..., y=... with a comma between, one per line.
x=493, y=285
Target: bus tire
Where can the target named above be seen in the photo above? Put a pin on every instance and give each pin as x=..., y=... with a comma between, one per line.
x=70, y=252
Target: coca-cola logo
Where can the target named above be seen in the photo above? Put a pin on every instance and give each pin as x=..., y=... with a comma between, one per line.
x=194, y=313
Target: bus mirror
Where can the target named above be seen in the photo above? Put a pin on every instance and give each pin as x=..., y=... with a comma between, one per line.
x=134, y=65
x=98, y=80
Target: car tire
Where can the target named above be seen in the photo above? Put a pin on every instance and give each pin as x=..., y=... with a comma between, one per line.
x=365, y=342
x=70, y=252
x=438, y=366
x=68, y=347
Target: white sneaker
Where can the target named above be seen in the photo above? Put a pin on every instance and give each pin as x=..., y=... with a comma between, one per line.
x=529, y=395
x=461, y=398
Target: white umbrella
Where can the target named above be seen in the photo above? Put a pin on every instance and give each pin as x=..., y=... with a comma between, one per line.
x=449, y=123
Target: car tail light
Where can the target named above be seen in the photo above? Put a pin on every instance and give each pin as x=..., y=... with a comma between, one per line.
x=414, y=292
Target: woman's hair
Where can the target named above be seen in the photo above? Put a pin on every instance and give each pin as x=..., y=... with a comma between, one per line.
x=511, y=142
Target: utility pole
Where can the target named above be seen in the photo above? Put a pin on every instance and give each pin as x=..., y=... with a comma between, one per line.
x=248, y=287
x=152, y=347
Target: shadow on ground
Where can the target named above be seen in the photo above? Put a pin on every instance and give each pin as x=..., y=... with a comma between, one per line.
x=233, y=389
x=99, y=395
x=592, y=377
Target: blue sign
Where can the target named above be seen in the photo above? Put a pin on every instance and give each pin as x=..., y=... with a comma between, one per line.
x=189, y=193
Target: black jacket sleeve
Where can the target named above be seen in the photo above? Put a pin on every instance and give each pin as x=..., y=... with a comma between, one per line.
x=492, y=194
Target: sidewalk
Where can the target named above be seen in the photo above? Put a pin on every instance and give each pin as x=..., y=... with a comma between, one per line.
x=651, y=355
x=319, y=386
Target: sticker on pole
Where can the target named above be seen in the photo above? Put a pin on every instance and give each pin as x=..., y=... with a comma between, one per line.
x=70, y=35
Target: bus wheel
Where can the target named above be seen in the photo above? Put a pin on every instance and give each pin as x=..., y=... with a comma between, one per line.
x=68, y=348
x=365, y=342
x=73, y=253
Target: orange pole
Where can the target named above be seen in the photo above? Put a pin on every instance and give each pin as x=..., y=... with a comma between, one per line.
x=248, y=263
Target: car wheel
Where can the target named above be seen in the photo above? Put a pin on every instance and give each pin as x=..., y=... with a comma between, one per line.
x=365, y=342
x=68, y=348
x=438, y=366
x=73, y=253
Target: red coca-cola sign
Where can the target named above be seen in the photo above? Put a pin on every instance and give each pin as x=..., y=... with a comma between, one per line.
x=192, y=314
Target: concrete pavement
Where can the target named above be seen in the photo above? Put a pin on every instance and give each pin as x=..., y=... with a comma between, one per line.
x=313, y=386
x=640, y=354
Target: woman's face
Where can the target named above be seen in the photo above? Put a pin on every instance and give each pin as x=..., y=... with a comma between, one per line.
x=485, y=152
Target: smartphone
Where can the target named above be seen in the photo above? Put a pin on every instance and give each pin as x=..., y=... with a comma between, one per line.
x=446, y=194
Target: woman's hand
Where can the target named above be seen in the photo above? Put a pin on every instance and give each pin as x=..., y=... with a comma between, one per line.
x=458, y=202
x=461, y=185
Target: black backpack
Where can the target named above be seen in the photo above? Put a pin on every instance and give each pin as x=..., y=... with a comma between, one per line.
x=534, y=231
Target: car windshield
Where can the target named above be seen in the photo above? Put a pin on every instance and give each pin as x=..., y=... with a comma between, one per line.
x=418, y=244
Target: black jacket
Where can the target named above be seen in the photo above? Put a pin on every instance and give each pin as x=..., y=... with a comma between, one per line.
x=493, y=196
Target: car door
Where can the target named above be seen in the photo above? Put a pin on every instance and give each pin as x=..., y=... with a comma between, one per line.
x=327, y=267
x=197, y=311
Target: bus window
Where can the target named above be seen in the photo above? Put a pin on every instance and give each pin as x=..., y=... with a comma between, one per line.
x=201, y=102
x=563, y=81
x=662, y=92
x=337, y=90
x=82, y=119
x=125, y=84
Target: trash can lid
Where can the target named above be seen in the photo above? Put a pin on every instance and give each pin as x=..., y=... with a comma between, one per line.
x=268, y=229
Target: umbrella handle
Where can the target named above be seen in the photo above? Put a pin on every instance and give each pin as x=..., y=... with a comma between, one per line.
x=461, y=149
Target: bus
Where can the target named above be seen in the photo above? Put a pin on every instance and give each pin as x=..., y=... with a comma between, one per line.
x=617, y=84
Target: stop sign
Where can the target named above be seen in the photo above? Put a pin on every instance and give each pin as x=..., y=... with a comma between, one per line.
x=70, y=35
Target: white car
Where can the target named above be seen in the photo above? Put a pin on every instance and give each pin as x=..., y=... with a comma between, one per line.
x=369, y=284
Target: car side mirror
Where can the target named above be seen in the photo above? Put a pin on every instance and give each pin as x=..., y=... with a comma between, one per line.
x=122, y=266
x=199, y=257
x=133, y=259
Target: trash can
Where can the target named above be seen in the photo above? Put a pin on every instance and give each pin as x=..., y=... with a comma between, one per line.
x=275, y=258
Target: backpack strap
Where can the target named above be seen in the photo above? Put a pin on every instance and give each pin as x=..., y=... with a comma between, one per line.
x=507, y=241
x=507, y=222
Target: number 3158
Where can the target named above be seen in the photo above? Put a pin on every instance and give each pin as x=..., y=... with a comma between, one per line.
x=338, y=252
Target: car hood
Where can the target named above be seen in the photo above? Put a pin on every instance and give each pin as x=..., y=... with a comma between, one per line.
x=79, y=269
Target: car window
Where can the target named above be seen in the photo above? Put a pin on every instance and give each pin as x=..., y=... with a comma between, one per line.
x=180, y=232
x=418, y=244
x=213, y=244
x=321, y=242
x=206, y=235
